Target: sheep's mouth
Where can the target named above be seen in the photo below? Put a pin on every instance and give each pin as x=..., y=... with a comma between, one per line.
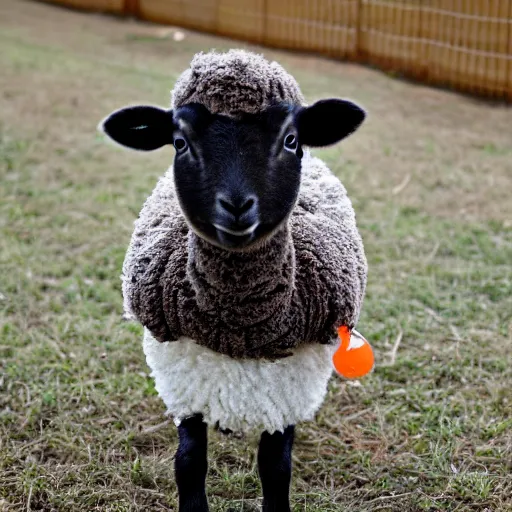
x=236, y=239
x=233, y=239
x=237, y=232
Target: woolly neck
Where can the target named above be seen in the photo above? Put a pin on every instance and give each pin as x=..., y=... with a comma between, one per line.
x=305, y=281
x=243, y=289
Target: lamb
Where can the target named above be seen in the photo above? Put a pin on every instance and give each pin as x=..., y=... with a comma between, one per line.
x=244, y=260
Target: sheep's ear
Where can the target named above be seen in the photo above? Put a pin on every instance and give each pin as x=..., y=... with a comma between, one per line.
x=142, y=127
x=328, y=121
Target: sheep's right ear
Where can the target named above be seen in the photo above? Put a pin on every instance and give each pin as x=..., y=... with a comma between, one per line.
x=142, y=127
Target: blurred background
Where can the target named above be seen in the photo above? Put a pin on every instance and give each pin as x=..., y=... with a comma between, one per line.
x=430, y=176
x=466, y=44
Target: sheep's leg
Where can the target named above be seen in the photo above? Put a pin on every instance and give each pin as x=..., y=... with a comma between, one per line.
x=275, y=468
x=191, y=465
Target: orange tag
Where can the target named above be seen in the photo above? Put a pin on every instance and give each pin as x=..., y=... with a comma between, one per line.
x=354, y=357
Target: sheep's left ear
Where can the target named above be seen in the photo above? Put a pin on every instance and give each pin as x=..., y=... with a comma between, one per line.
x=142, y=127
x=328, y=121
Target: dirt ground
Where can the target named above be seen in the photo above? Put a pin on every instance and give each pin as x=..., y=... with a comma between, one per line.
x=430, y=176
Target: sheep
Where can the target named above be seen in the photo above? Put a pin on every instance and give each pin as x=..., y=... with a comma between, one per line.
x=244, y=260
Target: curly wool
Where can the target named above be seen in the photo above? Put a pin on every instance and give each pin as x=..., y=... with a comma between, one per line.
x=239, y=394
x=295, y=289
x=235, y=82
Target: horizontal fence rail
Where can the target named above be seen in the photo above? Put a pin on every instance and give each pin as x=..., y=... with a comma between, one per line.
x=463, y=44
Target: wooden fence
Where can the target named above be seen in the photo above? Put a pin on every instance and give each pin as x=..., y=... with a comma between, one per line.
x=464, y=44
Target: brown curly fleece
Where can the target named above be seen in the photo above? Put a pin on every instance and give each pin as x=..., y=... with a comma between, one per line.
x=308, y=279
x=235, y=82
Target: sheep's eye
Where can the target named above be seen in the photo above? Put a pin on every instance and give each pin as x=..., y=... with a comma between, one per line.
x=290, y=142
x=180, y=144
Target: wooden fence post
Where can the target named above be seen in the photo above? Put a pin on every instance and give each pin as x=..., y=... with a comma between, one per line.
x=131, y=8
x=508, y=93
x=359, y=17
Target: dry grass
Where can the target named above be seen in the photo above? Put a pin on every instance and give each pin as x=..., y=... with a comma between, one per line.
x=431, y=178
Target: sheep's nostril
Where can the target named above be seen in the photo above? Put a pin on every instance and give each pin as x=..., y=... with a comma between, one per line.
x=237, y=208
x=247, y=206
x=229, y=207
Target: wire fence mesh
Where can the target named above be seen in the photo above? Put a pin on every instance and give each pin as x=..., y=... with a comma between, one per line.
x=464, y=44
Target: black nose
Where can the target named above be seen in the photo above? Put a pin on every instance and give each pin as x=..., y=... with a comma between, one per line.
x=236, y=207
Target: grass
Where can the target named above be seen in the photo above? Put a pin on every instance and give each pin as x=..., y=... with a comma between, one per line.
x=81, y=427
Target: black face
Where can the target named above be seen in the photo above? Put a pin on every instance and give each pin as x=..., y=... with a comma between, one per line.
x=237, y=180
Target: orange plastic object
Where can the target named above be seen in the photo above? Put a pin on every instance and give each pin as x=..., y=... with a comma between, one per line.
x=354, y=357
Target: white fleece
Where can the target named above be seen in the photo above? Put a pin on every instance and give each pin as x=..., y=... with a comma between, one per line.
x=239, y=394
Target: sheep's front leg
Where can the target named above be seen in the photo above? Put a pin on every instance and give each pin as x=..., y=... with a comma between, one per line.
x=275, y=468
x=191, y=465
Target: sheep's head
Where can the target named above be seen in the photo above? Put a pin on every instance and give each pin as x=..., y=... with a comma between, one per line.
x=237, y=179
